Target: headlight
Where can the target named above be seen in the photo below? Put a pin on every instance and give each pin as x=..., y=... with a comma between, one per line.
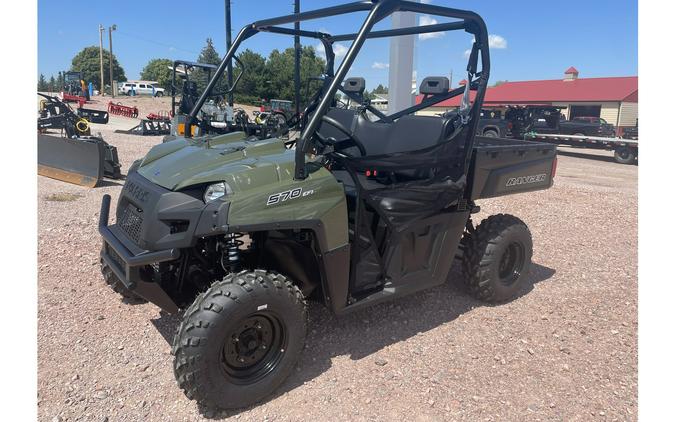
x=216, y=191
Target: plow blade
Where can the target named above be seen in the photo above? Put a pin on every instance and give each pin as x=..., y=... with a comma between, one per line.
x=82, y=161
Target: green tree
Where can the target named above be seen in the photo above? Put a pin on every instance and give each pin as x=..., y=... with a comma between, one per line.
x=42, y=83
x=158, y=70
x=52, y=84
x=250, y=87
x=381, y=89
x=60, y=82
x=279, y=72
x=87, y=62
x=208, y=55
x=497, y=83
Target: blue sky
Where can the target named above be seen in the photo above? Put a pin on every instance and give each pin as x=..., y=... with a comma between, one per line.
x=530, y=39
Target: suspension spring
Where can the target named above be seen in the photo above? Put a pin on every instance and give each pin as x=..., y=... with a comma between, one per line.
x=230, y=257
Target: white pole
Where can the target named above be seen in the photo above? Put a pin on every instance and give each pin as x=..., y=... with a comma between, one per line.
x=401, y=51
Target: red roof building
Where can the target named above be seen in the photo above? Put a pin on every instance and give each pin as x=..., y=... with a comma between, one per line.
x=613, y=99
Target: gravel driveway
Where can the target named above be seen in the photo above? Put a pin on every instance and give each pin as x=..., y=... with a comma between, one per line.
x=566, y=349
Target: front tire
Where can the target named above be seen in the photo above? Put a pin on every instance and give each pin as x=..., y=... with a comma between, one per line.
x=240, y=339
x=490, y=134
x=497, y=257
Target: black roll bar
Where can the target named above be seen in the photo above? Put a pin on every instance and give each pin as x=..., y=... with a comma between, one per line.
x=378, y=10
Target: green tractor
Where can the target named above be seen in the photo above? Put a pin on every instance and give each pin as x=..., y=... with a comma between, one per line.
x=236, y=233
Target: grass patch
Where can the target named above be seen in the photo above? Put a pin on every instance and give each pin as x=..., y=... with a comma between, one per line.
x=63, y=197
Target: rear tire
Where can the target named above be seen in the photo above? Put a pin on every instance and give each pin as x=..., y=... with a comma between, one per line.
x=490, y=134
x=118, y=287
x=497, y=257
x=240, y=339
x=624, y=156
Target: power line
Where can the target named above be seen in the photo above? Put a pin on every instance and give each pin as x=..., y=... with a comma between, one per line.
x=155, y=42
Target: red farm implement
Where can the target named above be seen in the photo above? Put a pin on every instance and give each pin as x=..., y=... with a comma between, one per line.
x=162, y=115
x=122, y=110
x=70, y=98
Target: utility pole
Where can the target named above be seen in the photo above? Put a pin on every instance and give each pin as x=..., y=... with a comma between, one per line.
x=100, y=56
x=296, y=44
x=110, y=30
x=228, y=41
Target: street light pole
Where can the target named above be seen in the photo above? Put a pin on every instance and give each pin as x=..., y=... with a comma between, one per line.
x=110, y=30
x=100, y=56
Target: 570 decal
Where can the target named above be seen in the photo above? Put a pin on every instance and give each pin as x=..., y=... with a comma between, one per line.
x=288, y=195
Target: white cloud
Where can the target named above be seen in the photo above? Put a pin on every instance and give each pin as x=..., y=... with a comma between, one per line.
x=426, y=1
x=428, y=20
x=496, y=41
x=338, y=49
x=380, y=65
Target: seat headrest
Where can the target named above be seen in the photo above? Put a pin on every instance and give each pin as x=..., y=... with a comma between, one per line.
x=432, y=85
x=355, y=85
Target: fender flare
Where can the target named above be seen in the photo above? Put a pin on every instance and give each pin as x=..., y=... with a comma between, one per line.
x=334, y=264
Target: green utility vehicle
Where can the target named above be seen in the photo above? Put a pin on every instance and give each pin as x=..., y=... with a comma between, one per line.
x=360, y=208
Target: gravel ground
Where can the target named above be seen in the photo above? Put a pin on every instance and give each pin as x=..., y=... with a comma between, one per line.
x=566, y=349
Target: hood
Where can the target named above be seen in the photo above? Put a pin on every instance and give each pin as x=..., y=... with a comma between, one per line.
x=185, y=162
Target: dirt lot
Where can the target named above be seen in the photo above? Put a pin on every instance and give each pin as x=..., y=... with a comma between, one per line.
x=564, y=350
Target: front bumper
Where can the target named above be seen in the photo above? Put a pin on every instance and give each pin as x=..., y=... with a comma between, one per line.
x=127, y=264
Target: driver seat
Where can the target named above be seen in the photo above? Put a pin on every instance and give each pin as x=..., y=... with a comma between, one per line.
x=189, y=97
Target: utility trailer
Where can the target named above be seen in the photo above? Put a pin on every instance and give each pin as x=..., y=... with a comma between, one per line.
x=625, y=150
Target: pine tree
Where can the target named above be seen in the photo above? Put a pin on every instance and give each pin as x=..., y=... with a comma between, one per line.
x=52, y=84
x=208, y=55
x=42, y=83
x=60, y=82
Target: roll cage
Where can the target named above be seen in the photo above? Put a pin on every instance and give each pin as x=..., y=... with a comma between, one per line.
x=377, y=11
x=182, y=69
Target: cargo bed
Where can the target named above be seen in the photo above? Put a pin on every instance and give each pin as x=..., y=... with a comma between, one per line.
x=502, y=166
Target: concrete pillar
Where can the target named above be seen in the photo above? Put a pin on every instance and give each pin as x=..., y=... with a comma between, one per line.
x=401, y=50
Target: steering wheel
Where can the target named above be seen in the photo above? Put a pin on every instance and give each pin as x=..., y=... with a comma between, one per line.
x=350, y=141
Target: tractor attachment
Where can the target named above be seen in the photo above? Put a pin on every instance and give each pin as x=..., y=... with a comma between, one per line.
x=122, y=110
x=93, y=116
x=162, y=115
x=83, y=161
x=75, y=156
x=69, y=98
x=149, y=127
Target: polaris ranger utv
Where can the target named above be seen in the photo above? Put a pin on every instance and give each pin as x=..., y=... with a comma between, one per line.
x=363, y=207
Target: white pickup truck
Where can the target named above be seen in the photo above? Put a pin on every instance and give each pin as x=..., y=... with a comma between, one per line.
x=140, y=88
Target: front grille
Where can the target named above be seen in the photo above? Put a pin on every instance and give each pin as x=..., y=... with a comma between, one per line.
x=131, y=222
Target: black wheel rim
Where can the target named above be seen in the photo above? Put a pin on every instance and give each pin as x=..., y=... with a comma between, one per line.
x=253, y=348
x=511, y=263
x=623, y=154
